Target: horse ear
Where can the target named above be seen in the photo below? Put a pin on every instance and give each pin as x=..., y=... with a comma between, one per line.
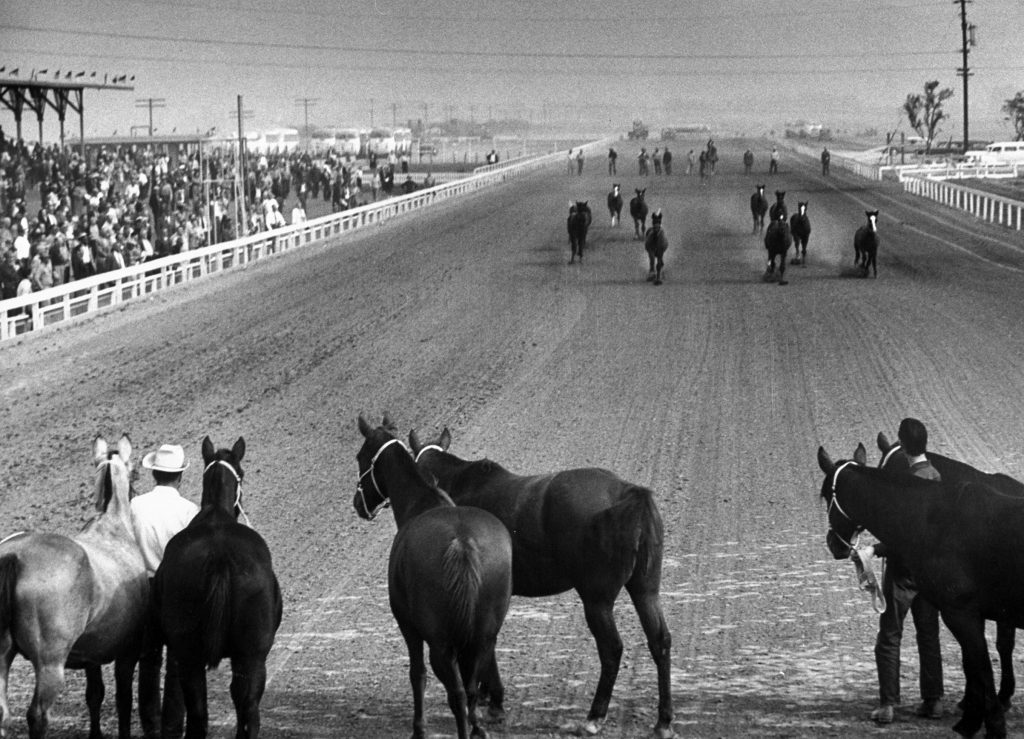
x=446, y=438
x=414, y=441
x=99, y=449
x=239, y=449
x=860, y=455
x=825, y=461
x=364, y=427
x=388, y=424
x=883, y=442
x=207, y=450
x=124, y=448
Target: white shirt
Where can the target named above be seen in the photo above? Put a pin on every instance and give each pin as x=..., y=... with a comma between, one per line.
x=156, y=517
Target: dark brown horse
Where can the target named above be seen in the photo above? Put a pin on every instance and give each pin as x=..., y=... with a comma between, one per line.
x=581, y=529
x=615, y=205
x=218, y=598
x=638, y=211
x=955, y=474
x=655, y=244
x=77, y=602
x=758, y=208
x=961, y=545
x=449, y=577
x=578, y=224
x=777, y=240
x=865, y=245
x=800, y=227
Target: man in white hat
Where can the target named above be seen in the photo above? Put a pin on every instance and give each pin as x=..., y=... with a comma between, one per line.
x=156, y=517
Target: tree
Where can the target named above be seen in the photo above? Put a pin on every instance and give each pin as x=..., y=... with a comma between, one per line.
x=1014, y=109
x=925, y=113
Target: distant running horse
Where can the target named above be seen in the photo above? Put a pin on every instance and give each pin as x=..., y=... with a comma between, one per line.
x=77, y=603
x=578, y=224
x=638, y=210
x=758, y=207
x=865, y=245
x=800, y=227
x=778, y=207
x=582, y=529
x=777, y=241
x=615, y=205
x=449, y=577
x=655, y=243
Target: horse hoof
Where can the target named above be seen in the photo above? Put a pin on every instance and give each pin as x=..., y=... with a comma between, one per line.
x=657, y=281
x=783, y=282
x=650, y=277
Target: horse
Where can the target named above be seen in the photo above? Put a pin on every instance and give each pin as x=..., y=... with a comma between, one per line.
x=449, y=577
x=800, y=227
x=77, y=603
x=758, y=207
x=638, y=210
x=655, y=243
x=615, y=205
x=777, y=240
x=582, y=529
x=960, y=544
x=865, y=244
x=577, y=224
x=778, y=207
x=957, y=473
x=217, y=597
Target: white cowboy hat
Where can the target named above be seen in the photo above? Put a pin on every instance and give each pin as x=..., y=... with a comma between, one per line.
x=168, y=458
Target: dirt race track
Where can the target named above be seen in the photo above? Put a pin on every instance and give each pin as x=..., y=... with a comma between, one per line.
x=714, y=389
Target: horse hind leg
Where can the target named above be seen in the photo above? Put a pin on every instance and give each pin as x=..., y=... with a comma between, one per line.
x=491, y=690
x=446, y=668
x=248, y=680
x=601, y=621
x=94, y=693
x=49, y=685
x=1005, y=641
x=647, y=602
x=661, y=268
x=7, y=654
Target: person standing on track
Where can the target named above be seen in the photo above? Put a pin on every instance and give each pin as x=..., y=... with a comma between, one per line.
x=612, y=156
x=156, y=517
x=826, y=159
x=901, y=596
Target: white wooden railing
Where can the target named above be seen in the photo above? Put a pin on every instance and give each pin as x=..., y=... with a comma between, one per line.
x=39, y=310
x=983, y=205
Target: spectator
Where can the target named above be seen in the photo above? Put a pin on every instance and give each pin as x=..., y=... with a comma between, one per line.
x=773, y=162
x=666, y=158
x=656, y=158
x=612, y=156
x=298, y=213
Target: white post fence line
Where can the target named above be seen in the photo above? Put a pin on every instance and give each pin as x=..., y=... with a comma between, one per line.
x=986, y=206
x=38, y=310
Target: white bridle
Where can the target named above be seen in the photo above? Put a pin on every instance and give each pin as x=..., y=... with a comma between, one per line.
x=427, y=448
x=238, y=487
x=384, y=500
x=834, y=503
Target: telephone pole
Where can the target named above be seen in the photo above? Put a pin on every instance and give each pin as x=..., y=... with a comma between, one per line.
x=306, y=103
x=967, y=34
x=150, y=103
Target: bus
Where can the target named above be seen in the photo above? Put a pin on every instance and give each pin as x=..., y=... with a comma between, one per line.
x=403, y=140
x=272, y=140
x=380, y=142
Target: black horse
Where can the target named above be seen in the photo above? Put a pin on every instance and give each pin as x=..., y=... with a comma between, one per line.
x=449, y=577
x=800, y=227
x=865, y=245
x=778, y=207
x=615, y=205
x=638, y=210
x=956, y=473
x=777, y=240
x=217, y=597
x=758, y=207
x=961, y=545
x=578, y=224
x=655, y=243
x=583, y=529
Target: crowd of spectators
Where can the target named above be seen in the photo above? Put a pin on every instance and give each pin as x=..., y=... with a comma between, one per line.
x=122, y=205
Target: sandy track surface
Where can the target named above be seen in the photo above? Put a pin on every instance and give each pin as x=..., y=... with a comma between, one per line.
x=714, y=389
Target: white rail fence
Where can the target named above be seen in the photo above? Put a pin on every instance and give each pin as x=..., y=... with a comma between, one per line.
x=56, y=305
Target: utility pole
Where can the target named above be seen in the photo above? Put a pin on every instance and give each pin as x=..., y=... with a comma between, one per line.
x=306, y=103
x=967, y=34
x=394, y=115
x=150, y=103
x=242, y=224
x=371, y=112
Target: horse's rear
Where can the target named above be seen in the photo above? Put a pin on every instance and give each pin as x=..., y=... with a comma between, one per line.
x=218, y=598
x=450, y=584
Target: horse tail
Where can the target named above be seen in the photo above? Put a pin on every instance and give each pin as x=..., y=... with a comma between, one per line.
x=8, y=581
x=461, y=571
x=216, y=611
x=630, y=534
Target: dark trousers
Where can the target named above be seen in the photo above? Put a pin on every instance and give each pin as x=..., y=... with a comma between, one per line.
x=901, y=596
x=166, y=720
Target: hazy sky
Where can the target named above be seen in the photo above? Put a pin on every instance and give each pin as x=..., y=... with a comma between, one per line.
x=737, y=65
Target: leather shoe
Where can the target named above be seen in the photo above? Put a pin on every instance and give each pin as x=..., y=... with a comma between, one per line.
x=930, y=709
x=883, y=715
